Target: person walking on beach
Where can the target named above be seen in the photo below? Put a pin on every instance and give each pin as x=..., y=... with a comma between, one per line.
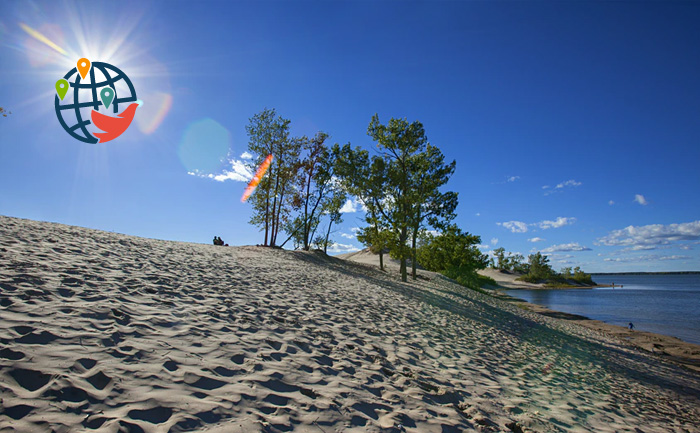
x=631, y=326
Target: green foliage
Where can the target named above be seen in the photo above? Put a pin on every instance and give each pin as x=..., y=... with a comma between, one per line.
x=271, y=201
x=4, y=112
x=486, y=281
x=541, y=272
x=582, y=277
x=453, y=254
x=508, y=261
x=399, y=187
x=539, y=269
x=316, y=192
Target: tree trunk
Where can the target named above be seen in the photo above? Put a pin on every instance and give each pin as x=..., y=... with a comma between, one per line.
x=381, y=259
x=413, y=252
x=267, y=213
x=307, y=220
x=402, y=246
x=328, y=234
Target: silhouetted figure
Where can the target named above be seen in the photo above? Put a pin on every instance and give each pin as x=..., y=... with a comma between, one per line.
x=216, y=241
x=631, y=326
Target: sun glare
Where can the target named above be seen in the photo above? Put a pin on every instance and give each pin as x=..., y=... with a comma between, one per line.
x=53, y=46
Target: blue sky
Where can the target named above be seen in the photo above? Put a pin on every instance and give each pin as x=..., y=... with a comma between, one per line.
x=574, y=123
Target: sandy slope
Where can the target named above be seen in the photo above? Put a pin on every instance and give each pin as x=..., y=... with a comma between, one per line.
x=106, y=332
x=507, y=280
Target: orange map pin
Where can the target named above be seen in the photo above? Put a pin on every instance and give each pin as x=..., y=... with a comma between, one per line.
x=83, y=67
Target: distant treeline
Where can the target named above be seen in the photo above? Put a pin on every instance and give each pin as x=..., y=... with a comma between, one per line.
x=649, y=273
x=538, y=270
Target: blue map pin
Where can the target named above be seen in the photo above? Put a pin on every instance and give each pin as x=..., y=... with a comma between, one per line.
x=106, y=95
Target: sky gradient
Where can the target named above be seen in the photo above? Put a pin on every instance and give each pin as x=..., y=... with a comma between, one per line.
x=575, y=126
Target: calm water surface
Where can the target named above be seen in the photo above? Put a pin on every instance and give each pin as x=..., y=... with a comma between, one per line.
x=665, y=304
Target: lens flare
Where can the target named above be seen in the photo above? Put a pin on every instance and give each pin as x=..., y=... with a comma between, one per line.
x=41, y=38
x=204, y=146
x=154, y=113
x=257, y=178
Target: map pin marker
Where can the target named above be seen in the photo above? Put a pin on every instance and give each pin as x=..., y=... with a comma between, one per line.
x=62, y=88
x=107, y=94
x=83, y=67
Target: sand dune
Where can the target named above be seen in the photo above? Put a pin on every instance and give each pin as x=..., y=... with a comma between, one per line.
x=107, y=332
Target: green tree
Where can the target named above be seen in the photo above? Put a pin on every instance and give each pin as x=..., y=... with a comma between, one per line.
x=399, y=143
x=501, y=261
x=432, y=208
x=582, y=277
x=364, y=179
x=454, y=254
x=333, y=203
x=268, y=134
x=539, y=267
x=312, y=187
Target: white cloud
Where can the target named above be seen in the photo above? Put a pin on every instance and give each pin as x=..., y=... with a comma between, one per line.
x=355, y=230
x=514, y=226
x=611, y=202
x=521, y=227
x=569, y=182
x=246, y=155
x=647, y=258
x=559, y=256
x=342, y=248
x=353, y=205
x=513, y=178
x=640, y=199
x=349, y=206
x=347, y=235
x=686, y=247
x=652, y=235
x=573, y=246
x=494, y=241
x=561, y=186
x=536, y=239
x=239, y=172
x=559, y=222
x=482, y=247
x=478, y=214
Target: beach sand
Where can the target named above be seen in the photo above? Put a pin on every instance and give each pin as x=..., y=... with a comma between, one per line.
x=108, y=332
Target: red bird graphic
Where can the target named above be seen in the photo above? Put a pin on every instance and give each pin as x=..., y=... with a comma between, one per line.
x=113, y=126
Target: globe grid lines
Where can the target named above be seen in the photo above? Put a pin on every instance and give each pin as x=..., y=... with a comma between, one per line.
x=95, y=103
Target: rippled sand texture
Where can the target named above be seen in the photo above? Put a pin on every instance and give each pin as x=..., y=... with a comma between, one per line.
x=106, y=332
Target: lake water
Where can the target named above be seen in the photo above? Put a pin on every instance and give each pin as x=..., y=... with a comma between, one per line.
x=664, y=304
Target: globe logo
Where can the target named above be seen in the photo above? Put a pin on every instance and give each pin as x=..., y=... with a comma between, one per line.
x=88, y=106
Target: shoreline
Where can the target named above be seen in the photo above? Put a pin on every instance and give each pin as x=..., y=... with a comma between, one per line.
x=666, y=347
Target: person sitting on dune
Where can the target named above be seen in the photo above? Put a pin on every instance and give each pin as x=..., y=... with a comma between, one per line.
x=216, y=241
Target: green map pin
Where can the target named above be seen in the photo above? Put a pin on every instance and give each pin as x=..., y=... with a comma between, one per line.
x=62, y=88
x=107, y=94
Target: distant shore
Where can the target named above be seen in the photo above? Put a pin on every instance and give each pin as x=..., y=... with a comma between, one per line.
x=669, y=348
x=648, y=273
